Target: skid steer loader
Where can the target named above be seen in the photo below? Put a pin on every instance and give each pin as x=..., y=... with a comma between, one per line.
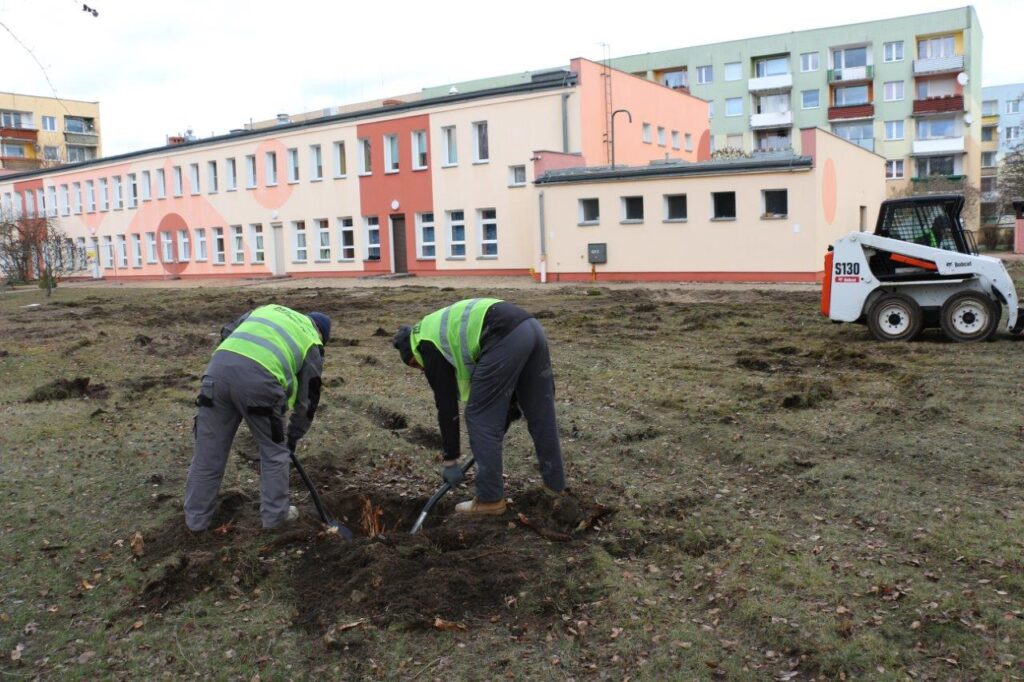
x=919, y=269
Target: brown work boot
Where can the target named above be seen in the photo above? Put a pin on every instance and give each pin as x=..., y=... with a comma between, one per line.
x=475, y=506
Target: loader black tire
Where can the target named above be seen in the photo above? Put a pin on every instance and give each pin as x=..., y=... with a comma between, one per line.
x=895, y=317
x=969, y=316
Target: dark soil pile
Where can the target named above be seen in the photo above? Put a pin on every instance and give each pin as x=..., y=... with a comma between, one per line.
x=65, y=389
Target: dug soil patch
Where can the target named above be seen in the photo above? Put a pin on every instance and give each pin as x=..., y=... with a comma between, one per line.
x=65, y=389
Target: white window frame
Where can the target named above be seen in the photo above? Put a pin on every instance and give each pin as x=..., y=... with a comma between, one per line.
x=665, y=198
x=481, y=133
x=146, y=185
x=212, y=184
x=764, y=204
x=161, y=183
x=422, y=224
x=49, y=123
x=890, y=50
x=251, y=176
x=230, y=174
x=201, y=251
x=323, y=240
x=346, y=226
x=237, y=245
x=733, y=99
x=316, y=163
x=624, y=202
x=219, y=255
x=340, y=161
x=76, y=198
x=420, y=158
x=193, y=179
x=392, y=154
x=675, y=139
x=257, y=246
x=737, y=71
x=482, y=225
x=581, y=216
x=300, y=247
x=451, y=223
x=167, y=242
x=371, y=231
x=65, y=201
x=90, y=197
x=1012, y=133
x=514, y=181
x=705, y=74
x=810, y=62
x=51, y=199
x=293, y=165
x=803, y=98
x=184, y=246
x=365, y=156
x=645, y=133
x=177, y=185
x=661, y=136
x=890, y=169
x=151, y=251
x=893, y=125
x=1013, y=106
x=136, y=250
x=122, y=250
x=890, y=87
x=132, y=190
x=108, y=251
x=118, y=190
x=451, y=146
x=270, y=168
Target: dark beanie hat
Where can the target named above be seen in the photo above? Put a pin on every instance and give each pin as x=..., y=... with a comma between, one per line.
x=323, y=323
x=402, y=342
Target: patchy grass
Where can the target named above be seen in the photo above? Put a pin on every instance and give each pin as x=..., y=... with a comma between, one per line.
x=793, y=500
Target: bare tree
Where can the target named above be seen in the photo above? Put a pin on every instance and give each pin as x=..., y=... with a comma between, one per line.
x=1011, y=179
x=36, y=248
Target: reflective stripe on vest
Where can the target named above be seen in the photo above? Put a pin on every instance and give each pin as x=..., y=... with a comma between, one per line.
x=277, y=338
x=455, y=332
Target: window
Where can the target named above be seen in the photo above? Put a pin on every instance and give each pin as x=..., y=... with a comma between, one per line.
x=391, y=153
x=323, y=240
x=41, y=201
x=771, y=104
x=734, y=141
x=894, y=169
x=632, y=209
x=293, y=165
x=1012, y=133
x=893, y=91
x=894, y=130
x=14, y=150
x=193, y=177
x=733, y=71
x=425, y=235
x=115, y=183
x=146, y=186
x=65, y=203
x=988, y=159
x=201, y=244
x=516, y=176
x=935, y=128
x=161, y=183
x=299, y=250
x=230, y=175
x=167, y=239
x=939, y=87
x=988, y=133
x=104, y=196
x=176, y=180
x=211, y=177
x=675, y=139
x=30, y=203
x=76, y=198
x=15, y=119
x=451, y=148
x=488, y=218
x=372, y=226
x=1013, y=106
x=860, y=133
x=122, y=250
x=419, y=149
x=705, y=74
x=849, y=58
x=136, y=251
x=988, y=185
x=936, y=48
x=809, y=61
x=316, y=162
x=49, y=122
x=990, y=107
x=133, y=190
x=893, y=52
x=250, y=171
x=661, y=136
x=774, y=203
x=851, y=96
x=809, y=99
x=645, y=132
x=689, y=142
x=270, y=168
x=456, y=234
x=256, y=243
x=346, y=239
x=77, y=124
x=218, y=245
x=589, y=212
x=723, y=205
x=734, y=106
x=674, y=79
x=340, y=164
x=675, y=207
x=90, y=197
x=771, y=66
x=481, y=145
x=78, y=153
x=935, y=165
x=108, y=252
x=51, y=153
x=183, y=245
x=365, y=157
x=237, y=245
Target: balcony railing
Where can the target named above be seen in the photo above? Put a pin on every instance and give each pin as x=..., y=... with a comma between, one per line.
x=939, y=64
x=941, y=145
x=777, y=83
x=839, y=113
x=20, y=163
x=775, y=119
x=851, y=74
x=938, y=105
x=29, y=134
x=90, y=139
x=931, y=178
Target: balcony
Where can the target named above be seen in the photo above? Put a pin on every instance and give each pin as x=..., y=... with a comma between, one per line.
x=775, y=119
x=20, y=134
x=938, y=105
x=939, y=65
x=779, y=83
x=852, y=74
x=89, y=139
x=942, y=145
x=20, y=163
x=851, y=111
x=930, y=178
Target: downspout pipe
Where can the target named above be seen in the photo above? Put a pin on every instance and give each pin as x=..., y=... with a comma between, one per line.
x=565, y=123
x=543, y=243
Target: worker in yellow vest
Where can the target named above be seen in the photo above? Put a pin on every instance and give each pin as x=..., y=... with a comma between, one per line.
x=270, y=360
x=492, y=355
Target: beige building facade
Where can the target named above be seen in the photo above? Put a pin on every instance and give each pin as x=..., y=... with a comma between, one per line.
x=36, y=132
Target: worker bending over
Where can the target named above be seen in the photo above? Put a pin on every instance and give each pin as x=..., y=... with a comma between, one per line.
x=489, y=353
x=269, y=360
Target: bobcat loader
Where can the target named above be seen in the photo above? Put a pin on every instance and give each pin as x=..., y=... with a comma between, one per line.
x=919, y=269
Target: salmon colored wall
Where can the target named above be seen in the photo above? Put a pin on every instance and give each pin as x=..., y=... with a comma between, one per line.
x=647, y=102
x=411, y=188
x=544, y=161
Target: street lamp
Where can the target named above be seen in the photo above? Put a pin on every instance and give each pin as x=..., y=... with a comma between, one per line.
x=630, y=116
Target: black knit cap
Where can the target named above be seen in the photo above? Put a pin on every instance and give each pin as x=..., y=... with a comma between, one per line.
x=401, y=341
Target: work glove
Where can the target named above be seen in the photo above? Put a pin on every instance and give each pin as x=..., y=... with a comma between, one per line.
x=292, y=444
x=452, y=475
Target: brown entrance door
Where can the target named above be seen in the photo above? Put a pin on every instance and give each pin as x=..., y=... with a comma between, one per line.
x=398, y=243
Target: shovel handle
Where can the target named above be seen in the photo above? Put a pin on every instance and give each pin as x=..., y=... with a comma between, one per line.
x=438, y=494
x=342, y=530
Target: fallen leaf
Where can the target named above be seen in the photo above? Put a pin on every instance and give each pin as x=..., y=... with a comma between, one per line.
x=842, y=609
x=31, y=628
x=137, y=544
x=441, y=624
x=349, y=626
x=137, y=624
x=86, y=585
x=915, y=625
x=85, y=657
x=224, y=529
x=16, y=653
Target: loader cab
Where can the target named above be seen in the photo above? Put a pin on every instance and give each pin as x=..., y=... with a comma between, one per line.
x=930, y=220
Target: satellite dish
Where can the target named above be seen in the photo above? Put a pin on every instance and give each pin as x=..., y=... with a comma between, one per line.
x=968, y=119
x=962, y=78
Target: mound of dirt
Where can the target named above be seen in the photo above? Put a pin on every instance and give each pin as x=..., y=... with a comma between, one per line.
x=65, y=389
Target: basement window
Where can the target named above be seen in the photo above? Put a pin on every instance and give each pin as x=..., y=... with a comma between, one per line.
x=675, y=208
x=723, y=205
x=775, y=204
x=632, y=210
x=590, y=212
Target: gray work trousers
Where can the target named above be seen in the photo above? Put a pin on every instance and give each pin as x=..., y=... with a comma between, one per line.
x=236, y=388
x=519, y=364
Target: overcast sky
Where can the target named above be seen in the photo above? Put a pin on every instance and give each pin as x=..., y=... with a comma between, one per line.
x=158, y=67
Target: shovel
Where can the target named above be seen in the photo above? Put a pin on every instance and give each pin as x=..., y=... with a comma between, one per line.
x=445, y=487
x=328, y=521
